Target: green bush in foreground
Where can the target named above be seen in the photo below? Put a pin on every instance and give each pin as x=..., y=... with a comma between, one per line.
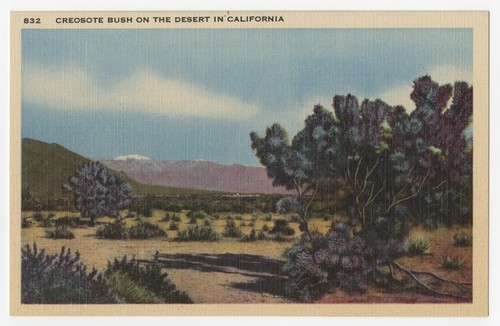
x=134, y=282
x=198, y=233
x=63, y=279
x=59, y=278
x=60, y=232
x=462, y=239
x=453, y=263
x=417, y=246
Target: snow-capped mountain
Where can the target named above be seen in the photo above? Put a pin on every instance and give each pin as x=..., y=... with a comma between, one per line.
x=197, y=174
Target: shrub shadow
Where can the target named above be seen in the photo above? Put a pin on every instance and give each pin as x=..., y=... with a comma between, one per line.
x=265, y=273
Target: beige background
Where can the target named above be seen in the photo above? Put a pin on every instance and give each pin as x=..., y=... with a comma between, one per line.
x=477, y=20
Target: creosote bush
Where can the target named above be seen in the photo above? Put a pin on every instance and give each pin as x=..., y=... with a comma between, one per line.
x=59, y=278
x=462, y=239
x=198, y=233
x=60, y=232
x=231, y=230
x=318, y=263
x=63, y=279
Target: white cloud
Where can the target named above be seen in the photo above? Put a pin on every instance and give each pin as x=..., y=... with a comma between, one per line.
x=444, y=74
x=145, y=91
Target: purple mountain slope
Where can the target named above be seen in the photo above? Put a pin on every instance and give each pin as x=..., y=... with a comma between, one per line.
x=197, y=174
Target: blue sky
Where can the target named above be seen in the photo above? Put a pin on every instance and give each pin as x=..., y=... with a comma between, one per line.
x=197, y=93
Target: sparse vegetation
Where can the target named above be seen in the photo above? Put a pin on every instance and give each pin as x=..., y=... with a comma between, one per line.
x=60, y=232
x=453, y=263
x=145, y=230
x=253, y=236
x=25, y=223
x=133, y=282
x=198, y=233
x=281, y=227
x=196, y=214
x=118, y=231
x=173, y=226
x=462, y=239
x=231, y=230
x=114, y=231
x=417, y=246
x=63, y=279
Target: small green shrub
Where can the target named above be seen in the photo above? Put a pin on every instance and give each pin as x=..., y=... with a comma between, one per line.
x=281, y=227
x=38, y=217
x=173, y=226
x=453, y=263
x=268, y=218
x=265, y=228
x=207, y=223
x=254, y=236
x=216, y=216
x=114, y=231
x=242, y=224
x=60, y=232
x=238, y=217
x=294, y=219
x=196, y=214
x=134, y=282
x=144, y=210
x=231, y=230
x=145, y=230
x=417, y=246
x=462, y=239
x=198, y=233
x=127, y=291
x=118, y=231
x=166, y=218
x=69, y=221
x=47, y=221
x=192, y=220
x=25, y=223
x=175, y=218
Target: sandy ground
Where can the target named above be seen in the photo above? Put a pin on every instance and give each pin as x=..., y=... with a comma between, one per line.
x=231, y=271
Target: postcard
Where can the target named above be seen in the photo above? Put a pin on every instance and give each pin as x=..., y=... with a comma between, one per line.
x=249, y=163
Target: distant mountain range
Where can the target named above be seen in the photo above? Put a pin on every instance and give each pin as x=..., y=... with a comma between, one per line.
x=195, y=174
x=47, y=167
